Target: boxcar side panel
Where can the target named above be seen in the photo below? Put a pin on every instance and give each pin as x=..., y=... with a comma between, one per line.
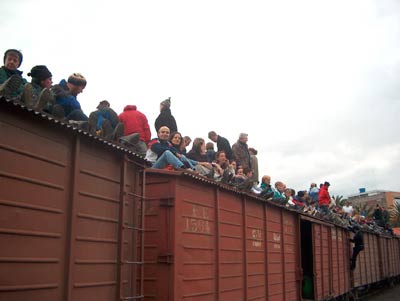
x=195, y=230
x=60, y=204
x=255, y=250
x=275, y=264
x=317, y=256
x=291, y=251
x=35, y=170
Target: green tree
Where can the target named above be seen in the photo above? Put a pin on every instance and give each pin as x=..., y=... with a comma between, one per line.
x=339, y=200
x=394, y=213
x=363, y=207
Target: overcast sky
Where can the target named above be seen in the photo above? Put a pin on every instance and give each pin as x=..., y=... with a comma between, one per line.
x=315, y=84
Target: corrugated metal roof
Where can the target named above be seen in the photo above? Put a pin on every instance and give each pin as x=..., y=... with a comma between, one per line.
x=35, y=114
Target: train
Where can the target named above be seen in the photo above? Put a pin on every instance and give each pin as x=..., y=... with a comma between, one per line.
x=82, y=218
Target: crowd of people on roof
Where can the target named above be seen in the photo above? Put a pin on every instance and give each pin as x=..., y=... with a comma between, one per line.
x=235, y=165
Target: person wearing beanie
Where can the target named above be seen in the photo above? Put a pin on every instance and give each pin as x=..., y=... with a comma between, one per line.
x=41, y=79
x=165, y=118
x=11, y=80
x=66, y=102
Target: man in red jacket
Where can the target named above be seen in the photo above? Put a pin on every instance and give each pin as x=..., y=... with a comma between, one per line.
x=136, y=122
x=324, y=199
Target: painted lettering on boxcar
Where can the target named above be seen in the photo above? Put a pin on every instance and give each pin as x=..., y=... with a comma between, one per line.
x=256, y=234
x=198, y=222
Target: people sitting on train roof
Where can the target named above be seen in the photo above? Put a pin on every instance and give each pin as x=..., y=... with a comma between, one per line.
x=175, y=139
x=266, y=188
x=300, y=199
x=198, y=151
x=165, y=118
x=289, y=194
x=210, y=152
x=136, y=122
x=104, y=122
x=11, y=80
x=278, y=192
x=66, y=104
x=243, y=179
x=185, y=143
x=220, y=164
x=39, y=87
x=162, y=153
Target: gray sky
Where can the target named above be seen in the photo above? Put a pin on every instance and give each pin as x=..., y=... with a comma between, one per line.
x=315, y=84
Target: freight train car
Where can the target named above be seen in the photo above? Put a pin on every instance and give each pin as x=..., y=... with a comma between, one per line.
x=68, y=212
x=83, y=219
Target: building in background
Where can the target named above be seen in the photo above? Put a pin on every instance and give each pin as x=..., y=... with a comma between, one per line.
x=371, y=198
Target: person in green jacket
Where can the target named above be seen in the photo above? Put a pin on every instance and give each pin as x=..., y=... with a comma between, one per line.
x=11, y=80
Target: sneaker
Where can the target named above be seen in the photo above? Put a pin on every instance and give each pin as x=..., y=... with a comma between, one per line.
x=27, y=95
x=10, y=85
x=45, y=98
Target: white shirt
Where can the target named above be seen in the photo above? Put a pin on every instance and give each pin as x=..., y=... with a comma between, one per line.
x=348, y=209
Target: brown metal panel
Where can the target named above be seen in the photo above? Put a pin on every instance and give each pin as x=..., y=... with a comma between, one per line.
x=343, y=261
x=94, y=234
x=60, y=198
x=317, y=256
x=325, y=260
x=158, y=251
x=290, y=251
x=275, y=264
x=255, y=249
x=34, y=175
x=195, y=243
x=232, y=246
x=346, y=260
x=335, y=286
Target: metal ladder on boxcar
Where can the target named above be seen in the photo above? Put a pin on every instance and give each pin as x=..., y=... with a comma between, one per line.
x=131, y=228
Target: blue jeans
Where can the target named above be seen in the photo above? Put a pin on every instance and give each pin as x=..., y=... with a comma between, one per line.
x=191, y=163
x=168, y=158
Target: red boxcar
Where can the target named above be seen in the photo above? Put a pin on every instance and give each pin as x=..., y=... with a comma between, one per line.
x=62, y=198
x=81, y=219
x=204, y=242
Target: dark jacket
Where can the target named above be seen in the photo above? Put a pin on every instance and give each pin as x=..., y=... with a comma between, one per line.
x=160, y=146
x=224, y=145
x=241, y=154
x=358, y=239
x=7, y=73
x=64, y=97
x=166, y=119
x=196, y=156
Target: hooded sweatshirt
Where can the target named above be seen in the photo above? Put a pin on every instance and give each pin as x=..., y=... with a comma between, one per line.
x=135, y=122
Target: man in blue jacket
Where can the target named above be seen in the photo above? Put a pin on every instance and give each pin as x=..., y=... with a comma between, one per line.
x=66, y=102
